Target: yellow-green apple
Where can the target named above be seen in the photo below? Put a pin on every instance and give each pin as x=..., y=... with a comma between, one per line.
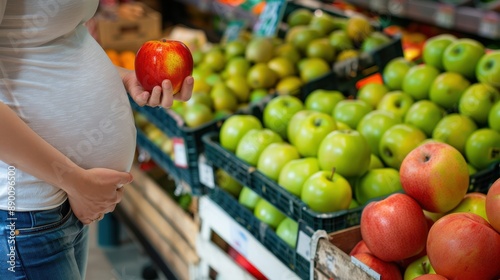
x=351, y=111
x=235, y=48
x=320, y=48
x=197, y=114
x=261, y=76
x=397, y=142
x=257, y=95
x=223, y=98
x=268, y=213
x=345, y=150
x=227, y=182
x=353, y=204
x=372, y=93
x=394, y=228
x=323, y=100
x=237, y=66
x=418, y=267
x=299, y=16
x=492, y=205
x=254, y=142
x=311, y=131
x=477, y=101
x=293, y=124
x=295, y=173
x=324, y=23
x=488, y=69
x=473, y=202
x=431, y=277
x=342, y=126
x=454, y=129
x=373, y=125
x=233, y=129
x=462, y=56
x=289, y=85
x=483, y=148
x=375, y=162
x=340, y=41
x=494, y=117
x=386, y=270
x=312, y=68
x=274, y=157
x=447, y=89
x=214, y=59
x=376, y=183
x=424, y=114
x=248, y=198
x=458, y=242
x=200, y=97
x=374, y=40
x=395, y=71
x=435, y=174
x=418, y=80
x=157, y=60
x=397, y=102
x=288, y=231
x=238, y=85
x=259, y=50
x=279, y=111
x=433, y=49
x=360, y=247
x=282, y=66
x=326, y=191
x=301, y=38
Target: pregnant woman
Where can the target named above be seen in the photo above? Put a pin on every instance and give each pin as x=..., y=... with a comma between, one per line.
x=67, y=135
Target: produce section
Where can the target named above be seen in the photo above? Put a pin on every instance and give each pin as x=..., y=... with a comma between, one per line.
x=297, y=145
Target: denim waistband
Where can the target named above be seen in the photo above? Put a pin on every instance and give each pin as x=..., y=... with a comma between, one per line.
x=27, y=219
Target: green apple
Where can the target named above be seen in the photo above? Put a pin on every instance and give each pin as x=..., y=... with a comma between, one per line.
x=418, y=80
x=483, y=148
x=200, y=97
x=418, y=267
x=300, y=16
x=488, y=69
x=320, y=48
x=295, y=173
x=397, y=142
x=235, y=48
x=353, y=204
x=351, y=111
x=257, y=95
x=290, y=85
x=424, y=114
x=377, y=183
x=375, y=40
x=454, y=129
x=340, y=40
x=324, y=23
x=282, y=66
x=397, y=102
x=373, y=125
x=227, y=182
x=248, y=198
x=311, y=131
x=303, y=36
x=288, y=51
x=494, y=117
x=274, y=157
x=462, y=56
x=254, y=142
x=326, y=191
x=473, y=202
x=288, y=231
x=259, y=50
x=447, y=89
x=372, y=93
x=268, y=213
x=293, y=124
x=323, y=100
x=197, y=114
x=236, y=66
x=375, y=162
x=233, y=129
x=477, y=101
x=395, y=71
x=342, y=126
x=223, y=98
x=345, y=150
x=238, y=85
x=279, y=111
x=261, y=76
x=312, y=68
x=433, y=49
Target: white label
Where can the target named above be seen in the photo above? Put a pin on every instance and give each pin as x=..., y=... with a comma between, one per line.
x=206, y=172
x=490, y=25
x=239, y=240
x=180, y=153
x=304, y=245
x=445, y=16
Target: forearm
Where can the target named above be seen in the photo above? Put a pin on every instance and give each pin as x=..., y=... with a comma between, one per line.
x=21, y=147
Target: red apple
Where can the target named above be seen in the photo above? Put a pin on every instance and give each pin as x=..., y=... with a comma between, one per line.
x=464, y=246
x=394, y=228
x=360, y=247
x=431, y=277
x=436, y=175
x=387, y=270
x=158, y=60
x=493, y=205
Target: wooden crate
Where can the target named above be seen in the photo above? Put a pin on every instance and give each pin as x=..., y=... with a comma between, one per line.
x=171, y=230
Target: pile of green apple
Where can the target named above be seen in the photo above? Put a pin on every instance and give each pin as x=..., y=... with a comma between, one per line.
x=230, y=75
x=154, y=134
x=435, y=229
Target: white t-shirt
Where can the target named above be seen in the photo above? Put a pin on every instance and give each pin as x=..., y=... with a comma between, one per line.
x=58, y=79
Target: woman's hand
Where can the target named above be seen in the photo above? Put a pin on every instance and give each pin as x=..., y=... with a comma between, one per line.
x=160, y=96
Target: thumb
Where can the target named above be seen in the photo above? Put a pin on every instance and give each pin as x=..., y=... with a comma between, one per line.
x=123, y=178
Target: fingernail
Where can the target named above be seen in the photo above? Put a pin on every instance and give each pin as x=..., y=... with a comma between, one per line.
x=190, y=80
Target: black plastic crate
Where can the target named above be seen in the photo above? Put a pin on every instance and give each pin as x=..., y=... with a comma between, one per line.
x=267, y=236
x=482, y=180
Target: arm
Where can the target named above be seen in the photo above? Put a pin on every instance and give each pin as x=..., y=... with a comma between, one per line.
x=160, y=96
x=90, y=192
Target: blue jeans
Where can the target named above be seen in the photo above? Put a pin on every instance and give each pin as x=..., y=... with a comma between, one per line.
x=48, y=244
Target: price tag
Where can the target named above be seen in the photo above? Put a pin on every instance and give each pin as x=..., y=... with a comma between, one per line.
x=396, y=7
x=180, y=154
x=445, y=16
x=233, y=30
x=239, y=240
x=489, y=26
x=269, y=20
x=206, y=172
x=304, y=245
x=378, y=5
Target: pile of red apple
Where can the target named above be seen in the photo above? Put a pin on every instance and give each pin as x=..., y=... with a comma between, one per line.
x=400, y=240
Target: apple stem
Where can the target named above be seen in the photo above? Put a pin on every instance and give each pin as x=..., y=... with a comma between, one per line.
x=333, y=173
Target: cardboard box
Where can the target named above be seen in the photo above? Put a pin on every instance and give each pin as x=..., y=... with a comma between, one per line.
x=123, y=34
